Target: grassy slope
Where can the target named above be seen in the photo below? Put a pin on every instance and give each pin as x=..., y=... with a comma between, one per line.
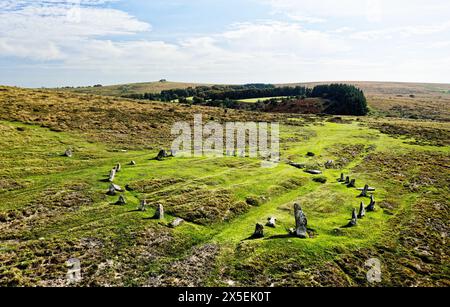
x=55, y=208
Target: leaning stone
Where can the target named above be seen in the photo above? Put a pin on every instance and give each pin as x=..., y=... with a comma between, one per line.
x=352, y=183
x=362, y=210
x=112, y=175
x=142, y=205
x=371, y=206
x=354, y=219
x=133, y=162
x=159, y=214
x=259, y=231
x=364, y=191
x=300, y=223
x=313, y=172
x=121, y=201
x=68, y=153
x=271, y=222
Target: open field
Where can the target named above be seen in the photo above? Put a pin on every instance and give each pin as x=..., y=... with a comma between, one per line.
x=53, y=208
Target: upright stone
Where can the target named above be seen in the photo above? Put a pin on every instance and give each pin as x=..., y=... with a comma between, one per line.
x=159, y=214
x=352, y=183
x=362, y=210
x=112, y=175
x=371, y=206
x=364, y=191
x=347, y=180
x=300, y=222
x=259, y=231
x=342, y=178
x=118, y=167
x=271, y=222
x=354, y=219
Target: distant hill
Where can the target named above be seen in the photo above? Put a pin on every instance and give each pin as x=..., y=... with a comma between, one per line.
x=397, y=99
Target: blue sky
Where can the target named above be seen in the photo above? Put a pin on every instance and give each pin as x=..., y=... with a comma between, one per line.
x=83, y=42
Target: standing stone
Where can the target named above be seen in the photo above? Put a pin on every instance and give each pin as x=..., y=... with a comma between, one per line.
x=159, y=214
x=121, y=201
x=177, y=222
x=362, y=210
x=143, y=205
x=371, y=206
x=300, y=223
x=133, y=162
x=352, y=183
x=68, y=153
x=354, y=219
x=162, y=154
x=342, y=178
x=347, y=180
x=112, y=175
x=271, y=222
x=364, y=191
x=259, y=231
x=118, y=167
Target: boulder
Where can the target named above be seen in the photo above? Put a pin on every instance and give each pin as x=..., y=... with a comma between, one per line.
x=362, y=210
x=300, y=223
x=271, y=222
x=259, y=231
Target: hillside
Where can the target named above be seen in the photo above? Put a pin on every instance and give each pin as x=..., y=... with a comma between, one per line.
x=54, y=208
x=394, y=99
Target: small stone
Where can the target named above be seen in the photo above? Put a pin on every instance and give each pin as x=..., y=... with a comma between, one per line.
x=271, y=222
x=310, y=154
x=68, y=153
x=118, y=167
x=111, y=191
x=162, y=154
x=342, y=178
x=259, y=231
x=329, y=164
x=177, y=222
x=364, y=191
x=297, y=165
x=133, y=162
x=117, y=188
x=121, y=201
x=313, y=172
x=142, y=205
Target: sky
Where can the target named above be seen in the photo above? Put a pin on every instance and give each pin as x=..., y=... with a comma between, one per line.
x=84, y=42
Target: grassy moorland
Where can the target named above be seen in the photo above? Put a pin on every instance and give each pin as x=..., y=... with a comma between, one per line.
x=53, y=208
